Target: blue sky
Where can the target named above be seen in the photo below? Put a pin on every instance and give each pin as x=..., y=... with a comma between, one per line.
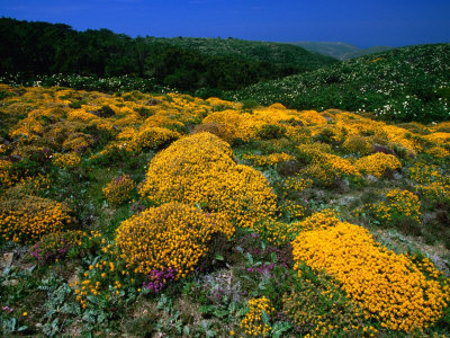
x=363, y=23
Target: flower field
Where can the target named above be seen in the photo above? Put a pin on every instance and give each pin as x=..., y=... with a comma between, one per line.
x=141, y=214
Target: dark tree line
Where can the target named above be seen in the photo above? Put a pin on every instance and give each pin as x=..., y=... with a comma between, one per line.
x=33, y=48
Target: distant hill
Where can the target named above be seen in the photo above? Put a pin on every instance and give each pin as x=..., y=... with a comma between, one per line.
x=279, y=54
x=404, y=84
x=204, y=67
x=339, y=50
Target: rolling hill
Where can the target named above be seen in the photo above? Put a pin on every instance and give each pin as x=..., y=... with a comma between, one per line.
x=184, y=64
x=405, y=84
x=339, y=50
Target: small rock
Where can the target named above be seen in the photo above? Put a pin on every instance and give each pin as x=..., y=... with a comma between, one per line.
x=152, y=102
x=371, y=179
x=6, y=260
x=397, y=175
x=72, y=279
x=378, y=148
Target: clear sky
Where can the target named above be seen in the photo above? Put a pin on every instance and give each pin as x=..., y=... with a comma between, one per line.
x=363, y=23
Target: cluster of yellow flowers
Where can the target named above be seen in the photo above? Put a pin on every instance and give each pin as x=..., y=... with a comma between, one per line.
x=295, y=185
x=438, y=152
x=28, y=218
x=358, y=144
x=291, y=210
x=199, y=170
x=320, y=220
x=268, y=160
x=320, y=309
x=6, y=177
x=277, y=233
x=325, y=168
x=118, y=190
x=172, y=236
x=224, y=131
x=432, y=184
x=387, y=286
x=96, y=282
x=77, y=142
x=55, y=245
x=377, y=164
x=253, y=323
x=399, y=203
x=69, y=160
x=147, y=137
x=52, y=123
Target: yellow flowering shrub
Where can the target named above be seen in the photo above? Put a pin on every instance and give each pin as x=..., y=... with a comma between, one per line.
x=439, y=138
x=225, y=131
x=238, y=125
x=358, y=144
x=77, y=141
x=69, y=160
x=295, y=185
x=151, y=138
x=172, y=236
x=253, y=322
x=387, y=286
x=320, y=220
x=199, y=170
x=377, y=164
x=28, y=218
x=6, y=177
x=311, y=117
x=399, y=203
x=325, y=168
x=118, y=190
x=424, y=173
x=438, y=152
x=319, y=308
x=276, y=232
x=56, y=245
x=435, y=191
x=291, y=210
x=268, y=160
x=432, y=184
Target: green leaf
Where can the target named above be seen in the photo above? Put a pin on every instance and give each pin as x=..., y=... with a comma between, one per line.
x=249, y=257
x=265, y=318
x=274, y=257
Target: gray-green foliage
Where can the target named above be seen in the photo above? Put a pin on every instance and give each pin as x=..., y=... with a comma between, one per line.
x=405, y=84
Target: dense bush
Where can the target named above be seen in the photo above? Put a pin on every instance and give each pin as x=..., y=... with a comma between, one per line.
x=172, y=236
x=27, y=218
x=373, y=276
x=199, y=169
x=204, y=66
x=404, y=84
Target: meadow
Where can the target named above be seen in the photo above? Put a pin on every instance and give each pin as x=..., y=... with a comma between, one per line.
x=137, y=214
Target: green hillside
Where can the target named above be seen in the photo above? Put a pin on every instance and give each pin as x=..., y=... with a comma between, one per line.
x=279, y=54
x=39, y=50
x=410, y=83
x=339, y=50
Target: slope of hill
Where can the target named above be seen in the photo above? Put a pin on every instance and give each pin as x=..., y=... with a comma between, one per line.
x=339, y=50
x=141, y=215
x=410, y=83
x=36, y=48
x=279, y=54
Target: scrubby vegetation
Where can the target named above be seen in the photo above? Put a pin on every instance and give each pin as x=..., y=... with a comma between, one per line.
x=144, y=214
x=404, y=84
x=33, y=52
